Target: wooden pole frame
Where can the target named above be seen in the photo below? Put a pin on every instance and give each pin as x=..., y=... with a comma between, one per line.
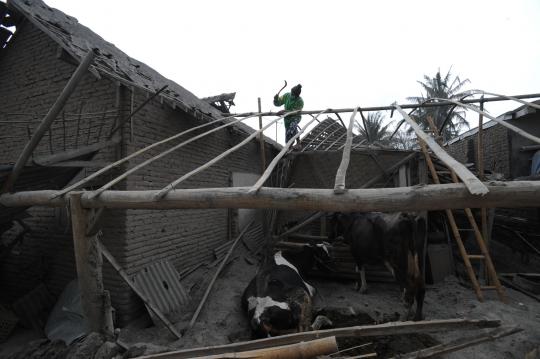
x=135, y=154
x=513, y=194
x=49, y=118
x=171, y=186
x=470, y=180
x=511, y=127
x=339, y=186
x=89, y=262
x=426, y=104
x=260, y=182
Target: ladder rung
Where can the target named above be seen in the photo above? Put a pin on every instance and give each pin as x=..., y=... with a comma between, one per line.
x=476, y=256
x=488, y=287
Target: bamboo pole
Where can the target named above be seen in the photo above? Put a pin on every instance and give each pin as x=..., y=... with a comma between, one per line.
x=261, y=138
x=161, y=155
x=473, y=184
x=392, y=328
x=260, y=182
x=171, y=186
x=309, y=220
x=339, y=186
x=48, y=119
x=88, y=262
x=511, y=127
x=139, y=293
x=134, y=154
x=515, y=194
x=480, y=154
x=426, y=104
x=459, y=344
x=513, y=98
x=214, y=278
x=302, y=350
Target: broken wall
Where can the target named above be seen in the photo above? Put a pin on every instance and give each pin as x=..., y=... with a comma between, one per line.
x=31, y=78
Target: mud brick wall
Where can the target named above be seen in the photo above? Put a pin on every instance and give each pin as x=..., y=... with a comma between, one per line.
x=31, y=77
x=496, y=149
x=183, y=237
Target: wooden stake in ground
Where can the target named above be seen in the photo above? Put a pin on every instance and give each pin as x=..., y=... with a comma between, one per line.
x=88, y=261
x=141, y=295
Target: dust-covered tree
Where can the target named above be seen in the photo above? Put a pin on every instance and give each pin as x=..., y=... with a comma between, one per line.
x=443, y=87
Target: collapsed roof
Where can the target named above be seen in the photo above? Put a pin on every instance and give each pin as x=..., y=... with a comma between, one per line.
x=76, y=39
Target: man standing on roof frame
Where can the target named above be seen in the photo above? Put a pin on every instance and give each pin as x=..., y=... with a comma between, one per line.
x=292, y=102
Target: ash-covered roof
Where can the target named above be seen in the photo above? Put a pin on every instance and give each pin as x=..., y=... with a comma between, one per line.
x=328, y=135
x=76, y=39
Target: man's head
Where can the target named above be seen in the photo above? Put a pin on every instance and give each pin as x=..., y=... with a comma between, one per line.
x=295, y=91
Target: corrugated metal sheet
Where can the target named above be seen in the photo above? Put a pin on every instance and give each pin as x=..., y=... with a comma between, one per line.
x=160, y=282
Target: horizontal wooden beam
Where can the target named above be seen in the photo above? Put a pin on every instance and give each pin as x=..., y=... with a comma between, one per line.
x=70, y=154
x=418, y=198
x=404, y=106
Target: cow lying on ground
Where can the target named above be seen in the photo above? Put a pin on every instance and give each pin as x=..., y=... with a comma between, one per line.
x=396, y=240
x=278, y=300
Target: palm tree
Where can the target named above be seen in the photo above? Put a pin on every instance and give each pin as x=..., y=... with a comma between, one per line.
x=447, y=87
x=404, y=140
x=375, y=131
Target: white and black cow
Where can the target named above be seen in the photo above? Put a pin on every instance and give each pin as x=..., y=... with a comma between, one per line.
x=397, y=240
x=278, y=300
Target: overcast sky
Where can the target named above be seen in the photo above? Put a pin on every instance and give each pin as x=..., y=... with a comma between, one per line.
x=344, y=53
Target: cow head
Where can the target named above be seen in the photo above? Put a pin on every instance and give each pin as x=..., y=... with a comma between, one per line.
x=340, y=224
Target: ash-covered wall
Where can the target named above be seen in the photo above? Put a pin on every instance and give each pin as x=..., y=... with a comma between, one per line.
x=31, y=77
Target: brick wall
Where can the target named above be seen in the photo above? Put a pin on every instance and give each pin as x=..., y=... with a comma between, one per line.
x=183, y=237
x=31, y=77
x=496, y=149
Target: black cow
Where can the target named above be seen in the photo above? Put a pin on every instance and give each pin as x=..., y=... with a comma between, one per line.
x=278, y=300
x=397, y=240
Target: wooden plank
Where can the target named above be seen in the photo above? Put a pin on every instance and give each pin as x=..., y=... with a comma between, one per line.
x=90, y=164
x=45, y=124
x=470, y=180
x=460, y=343
x=393, y=328
x=339, y=186
x=515, y=194
x=137, y=291
x=70, y=154
x=88, y=262
x=214, y=278
x=135, y=154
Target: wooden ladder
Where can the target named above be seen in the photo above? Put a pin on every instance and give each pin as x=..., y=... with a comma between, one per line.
x=467, y=258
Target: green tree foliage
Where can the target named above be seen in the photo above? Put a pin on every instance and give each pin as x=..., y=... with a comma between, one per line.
x=444, y=87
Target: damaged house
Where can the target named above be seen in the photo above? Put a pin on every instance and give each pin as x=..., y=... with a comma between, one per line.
x=112, y=112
